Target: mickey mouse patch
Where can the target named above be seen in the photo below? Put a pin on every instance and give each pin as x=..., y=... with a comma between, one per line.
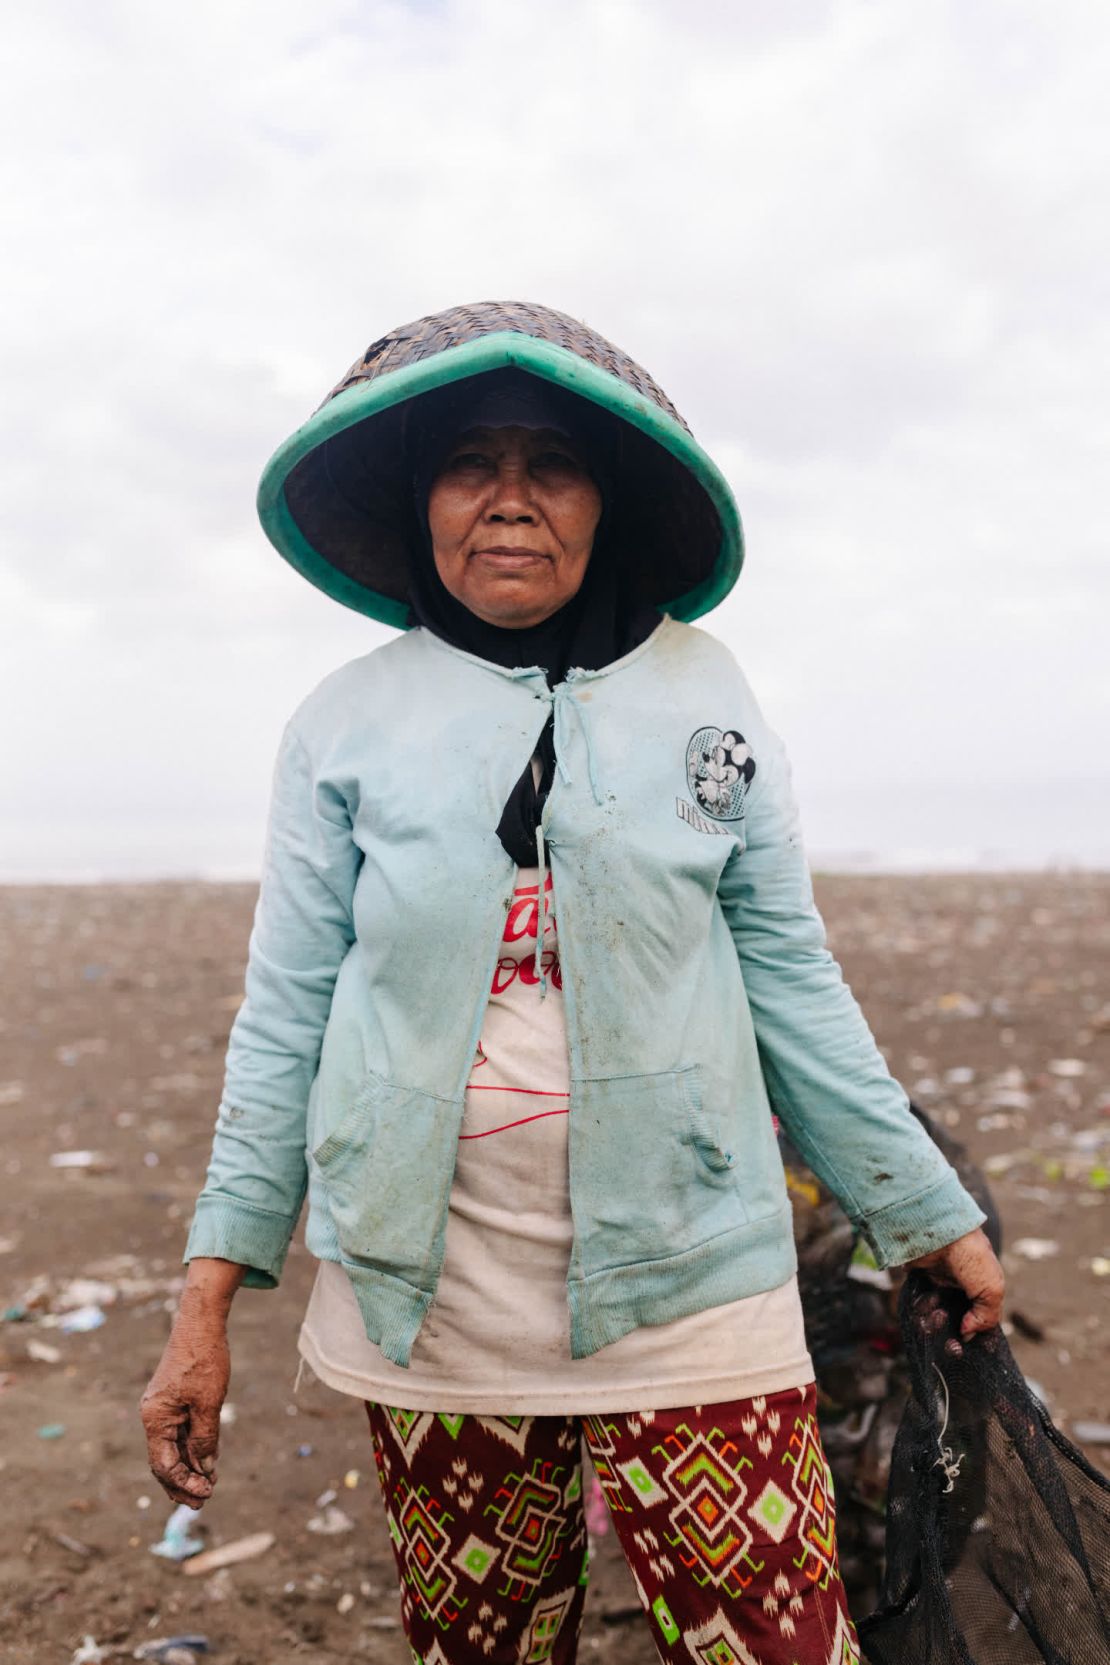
x=720, y=769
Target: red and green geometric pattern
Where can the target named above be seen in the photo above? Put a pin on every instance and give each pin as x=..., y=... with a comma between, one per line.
x=421, y=1527
x=811, y=1483
x=548, y=1618
x=725, y=1514
x=600, y=1435
x=532, y=1523
x=717, y=1643
x=773, y=1511
x=703, y=1476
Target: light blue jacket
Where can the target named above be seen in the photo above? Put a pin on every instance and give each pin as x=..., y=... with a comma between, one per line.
x=698, y=989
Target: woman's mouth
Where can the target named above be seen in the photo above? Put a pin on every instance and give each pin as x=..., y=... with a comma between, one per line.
x=510, y=555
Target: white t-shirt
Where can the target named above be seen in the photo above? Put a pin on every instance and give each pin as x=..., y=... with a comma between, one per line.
x=496, y=1339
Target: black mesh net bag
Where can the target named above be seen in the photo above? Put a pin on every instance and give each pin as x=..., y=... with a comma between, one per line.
x=998, y=1529
x=851, y=1316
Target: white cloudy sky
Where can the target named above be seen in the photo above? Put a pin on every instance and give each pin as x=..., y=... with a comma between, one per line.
x=863, y=245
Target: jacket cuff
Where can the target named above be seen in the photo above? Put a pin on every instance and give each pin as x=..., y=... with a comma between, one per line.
x=903, y=1230
x=227, y=1229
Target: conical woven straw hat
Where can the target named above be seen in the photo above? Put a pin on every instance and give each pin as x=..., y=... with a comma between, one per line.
x=336, y=499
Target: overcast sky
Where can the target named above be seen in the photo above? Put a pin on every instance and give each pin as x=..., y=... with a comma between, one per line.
x=864, y=247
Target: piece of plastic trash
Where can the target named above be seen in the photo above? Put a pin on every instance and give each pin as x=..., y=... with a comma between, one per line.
x=176, y=1542
x=1100, y=1266
x=1091, y=1433
x=226, y=1555
x=960, y=1005
x=228, y=1413
x=305, y=1450
x=351, y=1479
x=331, y=1521
x=87, y=1161
x=219, y=1586
x=43, y=1352
x=76, y=1546
x=81, y=1319
x=1035, y=1248
x=52, y=1430
x=1067, y=1068
x=163, y=1648
x=85, y=1292
x=1010, y=1098
x=1002, y=1161
x=91, y=1653
x=996, y=1120
x=864, y=1268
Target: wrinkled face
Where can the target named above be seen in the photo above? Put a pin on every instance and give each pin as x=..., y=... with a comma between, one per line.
x=512, y=514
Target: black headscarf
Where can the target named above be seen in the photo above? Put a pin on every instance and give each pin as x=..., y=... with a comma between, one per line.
x=596, y=626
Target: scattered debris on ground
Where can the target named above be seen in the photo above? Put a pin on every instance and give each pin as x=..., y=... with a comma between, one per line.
x=987, y=993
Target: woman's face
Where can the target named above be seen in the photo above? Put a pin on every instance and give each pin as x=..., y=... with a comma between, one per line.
x=512, y=514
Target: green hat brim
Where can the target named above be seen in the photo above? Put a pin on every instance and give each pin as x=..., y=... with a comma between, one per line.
x=337, y=538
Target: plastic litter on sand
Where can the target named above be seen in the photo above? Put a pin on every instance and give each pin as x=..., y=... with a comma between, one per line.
x=90, y=1653
x=87, y=1161
x=173, y=1650
x=330, y=1522
x=226, y=1555
x=177, y=1543
x=43, y=1352
x=81, y=1319
x=1091, y=1433
x=1035, y=1248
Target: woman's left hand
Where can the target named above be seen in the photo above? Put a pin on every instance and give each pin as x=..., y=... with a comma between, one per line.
x=969, y=1264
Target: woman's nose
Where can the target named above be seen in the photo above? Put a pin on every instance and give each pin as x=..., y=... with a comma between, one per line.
x=511, y=497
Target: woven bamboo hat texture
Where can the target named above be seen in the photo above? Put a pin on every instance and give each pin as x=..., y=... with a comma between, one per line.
x=336, y=499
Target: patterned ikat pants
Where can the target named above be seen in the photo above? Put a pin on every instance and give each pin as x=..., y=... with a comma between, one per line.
x=725, y=1514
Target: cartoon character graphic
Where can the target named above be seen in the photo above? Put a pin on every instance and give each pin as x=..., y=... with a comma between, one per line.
x=720, y=769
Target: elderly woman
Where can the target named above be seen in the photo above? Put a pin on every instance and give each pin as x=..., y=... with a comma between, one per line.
x=534, y=960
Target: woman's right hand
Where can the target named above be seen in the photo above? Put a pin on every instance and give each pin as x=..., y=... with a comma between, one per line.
x=181, y=1406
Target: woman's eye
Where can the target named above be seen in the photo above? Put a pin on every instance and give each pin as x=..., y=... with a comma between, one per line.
x=556, y=459
x=469, y=459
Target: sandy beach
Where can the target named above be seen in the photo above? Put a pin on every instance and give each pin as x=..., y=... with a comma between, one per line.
x=988, y=994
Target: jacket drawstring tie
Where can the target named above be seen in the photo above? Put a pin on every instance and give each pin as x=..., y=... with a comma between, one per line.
x=562, y=700
x=541, y=911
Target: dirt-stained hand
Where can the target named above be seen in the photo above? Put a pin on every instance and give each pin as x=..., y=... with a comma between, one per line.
x=969, y=1264
x=181, y=1406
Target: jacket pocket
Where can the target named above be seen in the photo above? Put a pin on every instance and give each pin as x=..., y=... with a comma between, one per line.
x=704, y=1133
x=650, y=1174
x=386, y=1167
x=354, y=1133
